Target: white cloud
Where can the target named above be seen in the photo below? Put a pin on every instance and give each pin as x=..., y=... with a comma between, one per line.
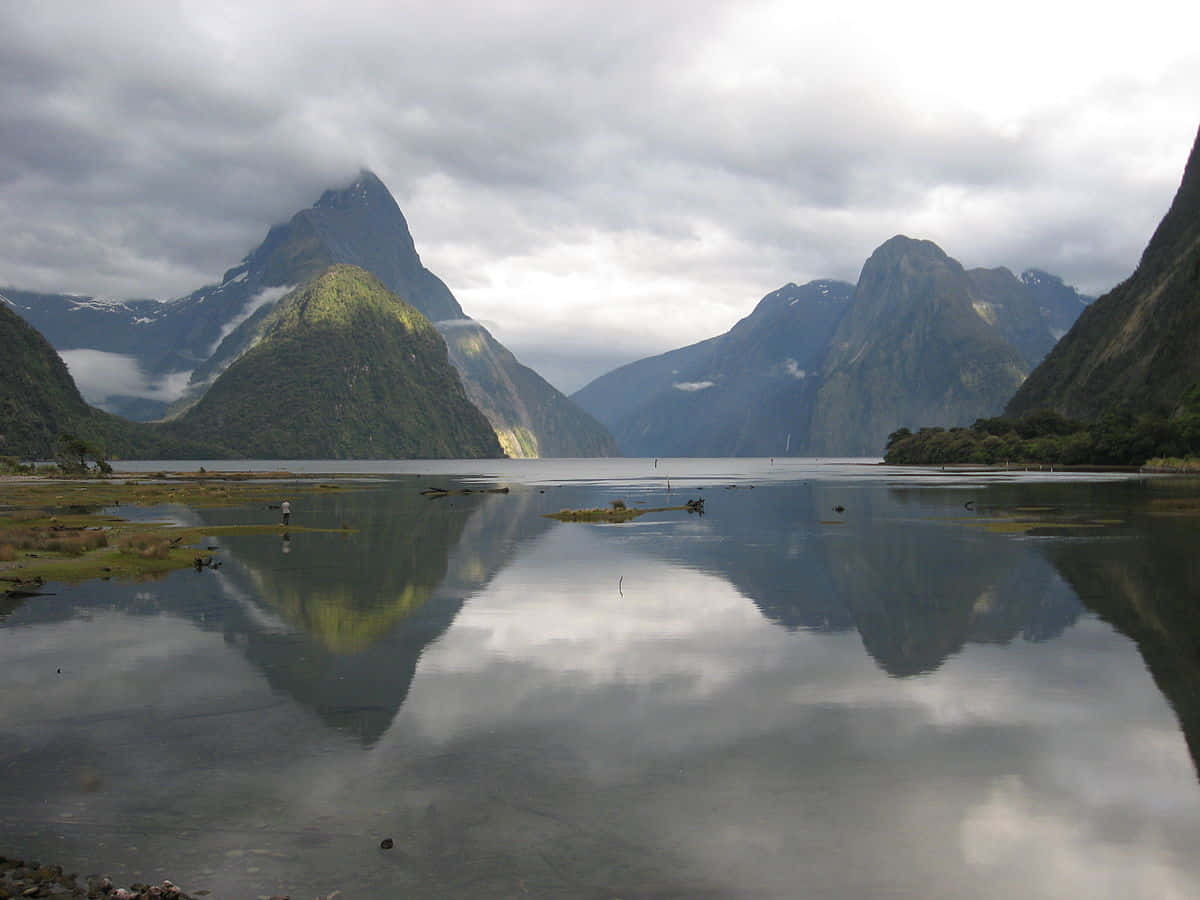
x=692, y=386
x=793, y=368
x=640, y=174
x=254, y=304
x=99, y=375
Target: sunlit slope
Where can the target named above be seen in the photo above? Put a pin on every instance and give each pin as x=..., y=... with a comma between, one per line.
x=343, y=368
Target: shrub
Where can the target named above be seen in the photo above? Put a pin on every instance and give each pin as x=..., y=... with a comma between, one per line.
x=147, y=546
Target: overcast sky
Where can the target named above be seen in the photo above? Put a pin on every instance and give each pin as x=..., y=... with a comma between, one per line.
x=596, y=182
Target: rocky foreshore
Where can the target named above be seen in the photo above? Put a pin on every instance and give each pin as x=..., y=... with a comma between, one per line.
x=19, y=879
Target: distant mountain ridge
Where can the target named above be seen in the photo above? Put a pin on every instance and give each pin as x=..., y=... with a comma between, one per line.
x=360, y=225
x=1135, y=348
x=830, y=368
x=740, y=394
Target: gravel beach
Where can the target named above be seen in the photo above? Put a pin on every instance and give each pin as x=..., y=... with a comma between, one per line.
x=19, y=878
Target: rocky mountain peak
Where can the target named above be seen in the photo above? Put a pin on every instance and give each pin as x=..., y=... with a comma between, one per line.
x=365, y=192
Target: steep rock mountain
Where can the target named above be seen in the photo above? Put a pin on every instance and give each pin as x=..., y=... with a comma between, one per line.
x=531, y=417
x=1135, y=347
x=748, y=392
x=363, y=226
x=351, y=371
x=1057, y=303
x=194, y=338
x=915, y=345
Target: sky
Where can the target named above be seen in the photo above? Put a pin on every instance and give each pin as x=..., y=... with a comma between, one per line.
x=596, y=182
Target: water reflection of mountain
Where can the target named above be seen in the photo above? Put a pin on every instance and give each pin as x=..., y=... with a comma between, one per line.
x=916, y=587
x=340, y=622
x=1146, y=585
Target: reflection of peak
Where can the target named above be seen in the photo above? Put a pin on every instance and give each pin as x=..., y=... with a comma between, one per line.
x=339, y=623
x=1146, y=590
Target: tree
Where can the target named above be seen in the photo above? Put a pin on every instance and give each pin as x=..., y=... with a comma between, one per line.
x=72, y=453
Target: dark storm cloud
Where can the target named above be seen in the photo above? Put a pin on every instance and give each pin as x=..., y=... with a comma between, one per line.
x=672, y=159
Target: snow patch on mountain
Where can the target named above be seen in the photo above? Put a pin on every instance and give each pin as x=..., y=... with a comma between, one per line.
x=793, y=368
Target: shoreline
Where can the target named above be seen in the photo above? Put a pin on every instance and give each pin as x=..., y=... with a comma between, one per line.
x=19, y=879
x=72, y=529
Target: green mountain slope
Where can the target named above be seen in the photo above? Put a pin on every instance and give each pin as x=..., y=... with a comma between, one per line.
x=343, y=368
x=362, y=225
x=915, y=345
x=39, y=402
x=1135, y=347
x=38, y=399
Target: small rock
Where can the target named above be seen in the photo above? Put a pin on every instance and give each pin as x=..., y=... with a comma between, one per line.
x=387, y=844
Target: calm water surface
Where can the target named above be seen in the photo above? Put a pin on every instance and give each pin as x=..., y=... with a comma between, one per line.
x=955, y=686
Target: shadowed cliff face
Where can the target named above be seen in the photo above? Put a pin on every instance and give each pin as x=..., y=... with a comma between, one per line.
x=912, y=348
x=1135, y=346
x=748, y=392
x=531, y=418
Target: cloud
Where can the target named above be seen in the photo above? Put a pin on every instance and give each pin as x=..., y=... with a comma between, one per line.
x=100, y=375
x=254, y=304
x=792, y=368
x=645, y=171
x=692, y=386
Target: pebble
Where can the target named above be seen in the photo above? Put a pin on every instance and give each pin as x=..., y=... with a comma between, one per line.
x=21, y=879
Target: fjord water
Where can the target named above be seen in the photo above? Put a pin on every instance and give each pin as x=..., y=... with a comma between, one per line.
x=840, y=681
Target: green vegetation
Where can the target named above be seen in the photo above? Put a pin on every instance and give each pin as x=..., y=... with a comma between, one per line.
x=39, y=404
x=352, y=371
x=1135, y=347
x=619, y=512
x=1118, y=438
x=1173, y=464
x=11, y=465
x=54, y=530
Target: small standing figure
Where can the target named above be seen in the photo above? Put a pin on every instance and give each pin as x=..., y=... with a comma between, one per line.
x=286, y=509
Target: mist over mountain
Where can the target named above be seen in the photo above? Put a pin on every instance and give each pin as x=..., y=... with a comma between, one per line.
x=180, y=347
x=1134, y=349
x=39, y=402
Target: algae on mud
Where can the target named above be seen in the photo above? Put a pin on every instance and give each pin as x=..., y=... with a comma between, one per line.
x=57, y=530
x=620, y=513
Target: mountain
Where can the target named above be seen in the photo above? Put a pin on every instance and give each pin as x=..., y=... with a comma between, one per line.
x=748, y=392
x=39, y=402
x=916, y=345
x=1135, y=347
x=343, y=368
x=830, y=369
x=192, y=339
x=38, y=399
